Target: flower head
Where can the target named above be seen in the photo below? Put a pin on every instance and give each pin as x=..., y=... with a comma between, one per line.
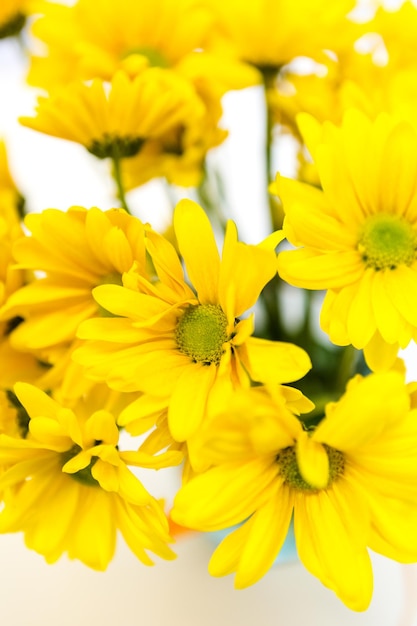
x=349, y=484
x=13, y=15
x=357, y=238
x=170, y=340
x=270, y=34
x=118, y=121
x=76, y=251
x=70, y=464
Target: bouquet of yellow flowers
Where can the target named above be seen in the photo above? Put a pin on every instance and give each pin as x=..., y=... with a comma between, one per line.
x=270, y=371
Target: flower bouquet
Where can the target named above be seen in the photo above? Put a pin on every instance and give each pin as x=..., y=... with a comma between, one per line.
x=269, y=370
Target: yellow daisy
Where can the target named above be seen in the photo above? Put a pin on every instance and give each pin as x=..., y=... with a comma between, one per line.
x=116, y=122
x=11, y=200
x=349, y=485
x=357, y=238
x=267, y=33
x=179, y=154
x=129, y=36
x=126, y=38
x=75, y=251
x=13, y=15
x=130, y=43
x=14, y=365
x=69, y=488
x=180, y=343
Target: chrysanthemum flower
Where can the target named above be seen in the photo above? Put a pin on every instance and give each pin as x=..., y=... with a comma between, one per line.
x=351, y=484
x=357, y=238
x=267, y=33
x=14, y=364
x=13, y=17
x=72, y=488
x=126, y=39
x=118, y=121
x=75, y=251
x=171, y=341
x=179, y=155
x=132, y=44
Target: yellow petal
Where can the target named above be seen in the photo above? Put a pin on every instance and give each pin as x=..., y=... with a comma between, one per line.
x=315, y=270
x=388, y=319
x=379, y=355
x=198, y=247
x=329, y=548
x=360, y=315
x=312, y=461
x=401, y=286
x=274, y=361
x=188, y=401
x=364, y=411
x=224, y=495
x=35, y=401
x=244, y=271
x=93, y=533
x=268, y=531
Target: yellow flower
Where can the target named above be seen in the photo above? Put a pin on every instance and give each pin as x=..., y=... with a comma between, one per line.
x=76, y=251
x=118, y=121
x=125, y=38
x=357, y=238
x=71, y=488
x=351, y=484
x=397, y=27
x=13, y=17
x=11, y=200
x=171, y=341
x=267, y=33
x=179, y=154
x=132, y=45
x=14, y=364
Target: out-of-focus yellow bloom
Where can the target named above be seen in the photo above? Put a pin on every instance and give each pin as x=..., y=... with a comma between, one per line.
x=267, y=33
x=76, y=250
x=130, y=36
x=381, y=77
x=117, y=122
x=13, y=15
x=357, y=238
x=397, y=28
x=127, y=39
x=14, y=364
x=178, y=155
x=349, y=485
x=70, y=465
x=182, y=343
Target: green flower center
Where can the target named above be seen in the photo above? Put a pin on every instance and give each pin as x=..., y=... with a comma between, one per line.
x=387, y=241
x=287, y=461
x=83, y=476
x=12, y=26
x=154, y=57
x=201, y=333
x=115, y=147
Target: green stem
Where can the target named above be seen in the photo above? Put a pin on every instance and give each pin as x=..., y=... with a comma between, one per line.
x=271, y=292
x=117, y=175
x=347, y=367
x=269, y=75
x=211, y=203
